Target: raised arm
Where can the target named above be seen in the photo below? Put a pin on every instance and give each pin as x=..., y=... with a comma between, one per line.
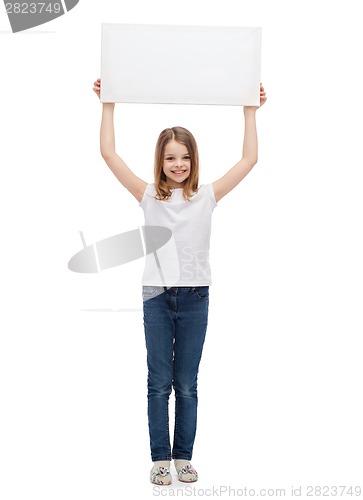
x=249, y=153
x=128, y=179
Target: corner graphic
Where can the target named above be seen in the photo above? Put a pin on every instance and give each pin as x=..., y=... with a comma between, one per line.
x=126, y=247
x=119, y=249
x=26, y=15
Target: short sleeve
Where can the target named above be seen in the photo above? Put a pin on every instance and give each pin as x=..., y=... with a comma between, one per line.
x=211, y=195
x=149, y=191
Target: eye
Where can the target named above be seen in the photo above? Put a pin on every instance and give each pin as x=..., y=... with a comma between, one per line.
x=170, y=158
x=186, y=157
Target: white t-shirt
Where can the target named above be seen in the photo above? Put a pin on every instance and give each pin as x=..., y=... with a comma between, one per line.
x=184, y=260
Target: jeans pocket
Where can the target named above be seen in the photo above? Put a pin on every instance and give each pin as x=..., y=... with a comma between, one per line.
x=201, y=292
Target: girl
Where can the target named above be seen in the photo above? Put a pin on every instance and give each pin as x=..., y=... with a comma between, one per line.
x=176, y=297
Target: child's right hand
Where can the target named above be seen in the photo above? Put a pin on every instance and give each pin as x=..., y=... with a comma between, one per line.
x=97, y=87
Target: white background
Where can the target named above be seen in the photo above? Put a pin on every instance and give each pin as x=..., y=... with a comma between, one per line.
x=280, y=379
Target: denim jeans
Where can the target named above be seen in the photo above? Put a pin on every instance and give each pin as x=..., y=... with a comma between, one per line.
x=175, y=323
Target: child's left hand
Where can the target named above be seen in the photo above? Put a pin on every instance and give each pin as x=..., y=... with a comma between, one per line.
x=263, y=99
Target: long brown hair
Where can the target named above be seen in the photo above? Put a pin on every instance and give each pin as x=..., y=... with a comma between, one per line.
x=190, y=186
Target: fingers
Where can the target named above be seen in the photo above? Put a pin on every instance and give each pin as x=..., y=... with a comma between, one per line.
x=262, y=92
x=97, y=86
x=263, y=97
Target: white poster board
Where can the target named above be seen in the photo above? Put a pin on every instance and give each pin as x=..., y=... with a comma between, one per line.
x=181, y=64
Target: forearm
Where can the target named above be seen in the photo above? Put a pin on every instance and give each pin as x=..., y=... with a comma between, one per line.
x=107, y=134
x=250, y=144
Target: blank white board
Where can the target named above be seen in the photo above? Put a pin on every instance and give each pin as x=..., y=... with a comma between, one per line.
x=180, y=64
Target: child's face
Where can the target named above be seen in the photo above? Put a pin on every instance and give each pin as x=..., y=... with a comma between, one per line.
x=176, y=165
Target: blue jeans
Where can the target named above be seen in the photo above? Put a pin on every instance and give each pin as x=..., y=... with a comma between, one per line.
x=175, y=323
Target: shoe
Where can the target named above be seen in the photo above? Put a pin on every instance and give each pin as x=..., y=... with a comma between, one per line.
x=187, y=474
x=160, y=475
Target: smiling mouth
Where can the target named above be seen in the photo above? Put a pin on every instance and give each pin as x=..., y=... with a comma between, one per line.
x=178, y=172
